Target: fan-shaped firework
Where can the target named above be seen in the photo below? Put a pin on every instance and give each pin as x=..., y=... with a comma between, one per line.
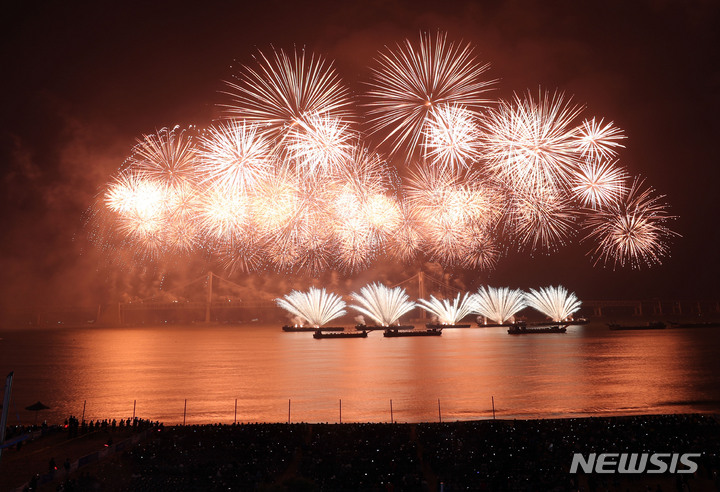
x=284, y=90
x=631, y=231
x=384, y=305
x=554, y=302
x=448, y=312
x=499, y=304
x=411, y=81
x=315, y=306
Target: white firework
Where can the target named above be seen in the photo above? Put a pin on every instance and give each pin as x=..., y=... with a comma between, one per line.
x=599, y=184
x=235, y=156
x=530, y=143
x=499, y=304
x=448, y=312
x=412, y=80
x=315, y=306
x=554, y=302
x=382, y=304
x=319, y=145
x=168, y=156
x=541, y=219
x=451, y=137
x=596, y=141
x=284, y=90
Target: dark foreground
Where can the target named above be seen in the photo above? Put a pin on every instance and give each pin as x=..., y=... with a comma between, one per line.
x=481, y=455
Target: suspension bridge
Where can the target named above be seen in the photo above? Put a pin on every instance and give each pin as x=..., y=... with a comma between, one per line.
x=213, y=298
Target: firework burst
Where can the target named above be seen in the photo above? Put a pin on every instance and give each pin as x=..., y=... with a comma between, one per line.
x=223, y=216
x=599, y=184
x=448, y=312
x=451, y=137
x=541, y=218
x=234, y=156
x=456, y=211
x=530, y=143
x=384, y=305
x=284, y=90
x=409, y=82
x=499, y=304
x=140, y=211
x=554, y=302
x=287, y=181
x=319, y=145
x=315, y=306
x=167, y=156
x=597, y=141
x=631, y=231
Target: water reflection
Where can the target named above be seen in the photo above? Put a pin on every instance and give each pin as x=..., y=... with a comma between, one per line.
x=589, y=370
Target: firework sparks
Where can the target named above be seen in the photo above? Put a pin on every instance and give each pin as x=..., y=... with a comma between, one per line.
x=597, y=141
x=554, y=302
x=455, y=213
x=289, y=183
x=384, y=305
x=315, y=306
x=141, y=214
x=320, y=145
x=168, y=156
x=284, y=90
x=530, y=143
x=599, y=184
x=410, y=82
x=223, y=216
x=631, y=231
x=235, y=156
x=451, y=137
x=448, y=312
x=499, y=304
x=541, y=218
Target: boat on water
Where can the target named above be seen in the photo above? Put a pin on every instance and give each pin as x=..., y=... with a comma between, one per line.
x=439, y=326
x=655, y=325
x=696, y=324
x=345, y=334
x=522, y=329
x=294, y=328
x=579, y=321
x=430, y=332
x=377, y=327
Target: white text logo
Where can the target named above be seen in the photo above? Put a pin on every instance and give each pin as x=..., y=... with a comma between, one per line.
x=635, y=463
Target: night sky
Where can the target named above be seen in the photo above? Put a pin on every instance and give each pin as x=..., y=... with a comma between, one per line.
x=80, y=82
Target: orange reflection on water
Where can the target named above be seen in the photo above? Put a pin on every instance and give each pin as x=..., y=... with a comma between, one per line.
x=587, y=371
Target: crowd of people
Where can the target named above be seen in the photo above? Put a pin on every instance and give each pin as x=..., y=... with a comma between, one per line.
x=536, y=454
x=76, y=427
x=476, y=455
x=214, y=457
